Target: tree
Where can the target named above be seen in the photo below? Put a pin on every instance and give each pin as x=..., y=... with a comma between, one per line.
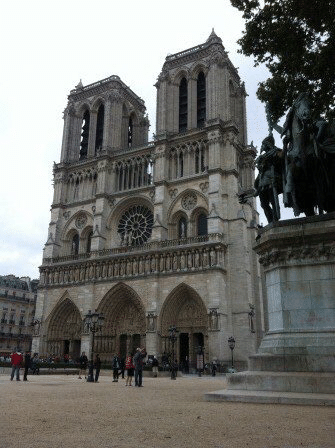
x=295, y=39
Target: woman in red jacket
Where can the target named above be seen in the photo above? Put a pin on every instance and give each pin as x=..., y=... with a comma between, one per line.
x=16, y=360
x=130, y=369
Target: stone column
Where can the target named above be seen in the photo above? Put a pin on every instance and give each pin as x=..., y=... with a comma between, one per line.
x=107, y=125
x=192, y=104
x=92, y=134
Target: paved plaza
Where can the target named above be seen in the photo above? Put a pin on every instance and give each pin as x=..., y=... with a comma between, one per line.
x=60, y=411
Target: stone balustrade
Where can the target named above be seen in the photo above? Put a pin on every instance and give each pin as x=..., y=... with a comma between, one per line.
x=165, y=257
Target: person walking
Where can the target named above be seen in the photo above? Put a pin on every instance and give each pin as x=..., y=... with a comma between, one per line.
x=27, y=365
x=97, y=367
x=155, y=367
x=116, y=367
x=214, y=368
x=16, y=360
x=35, y=364
x=83, y=365
x=122, y=367
x=130, y=369
x=138, y=363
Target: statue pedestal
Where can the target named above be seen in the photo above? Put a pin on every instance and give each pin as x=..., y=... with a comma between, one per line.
x=297, y=353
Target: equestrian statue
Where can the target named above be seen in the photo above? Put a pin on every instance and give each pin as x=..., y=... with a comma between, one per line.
x=303, y=170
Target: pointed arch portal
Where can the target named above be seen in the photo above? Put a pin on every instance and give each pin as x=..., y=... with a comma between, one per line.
x=124, y=325
x=64, y=330
x=184, y=309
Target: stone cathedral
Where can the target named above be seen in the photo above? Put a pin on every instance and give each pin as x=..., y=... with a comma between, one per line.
x=151, y=233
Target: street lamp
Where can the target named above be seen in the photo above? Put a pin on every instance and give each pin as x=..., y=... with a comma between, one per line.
x=231, y=343
x=93, y=323
x=172, y=339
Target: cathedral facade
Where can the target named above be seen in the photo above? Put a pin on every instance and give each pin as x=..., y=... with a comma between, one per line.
x=152, y=234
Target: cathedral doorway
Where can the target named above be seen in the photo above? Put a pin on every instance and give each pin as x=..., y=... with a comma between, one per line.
x=124, y=325
x=184, y=309
x=184, y=350
x=64, y=331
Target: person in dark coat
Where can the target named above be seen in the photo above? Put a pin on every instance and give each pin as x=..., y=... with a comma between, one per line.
x=155, y=367
x=83, y=364
x=116, y=368
x=122, y=367
x=27, y=365
x=138, y=363
x=97, y=364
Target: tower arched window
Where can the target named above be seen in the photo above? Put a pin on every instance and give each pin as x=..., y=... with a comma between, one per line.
x=100, y=128
x=75, y=244
x=130, y=133
x=202, y=224
x=89, y=242
x=85, y=130
x=183, y=105
x=201, y=100
x=182, y=228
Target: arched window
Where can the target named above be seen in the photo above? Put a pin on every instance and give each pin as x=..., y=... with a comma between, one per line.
x=75, y=245
x=183, y=105
x=100, y=128
x=130, y=133
x=85, y=129
x=89, y=242
x=202, y=224
x=201, y=100
x=182, y=228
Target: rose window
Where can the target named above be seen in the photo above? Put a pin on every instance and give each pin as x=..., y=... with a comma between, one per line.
x=135, y=226
x=189, y=201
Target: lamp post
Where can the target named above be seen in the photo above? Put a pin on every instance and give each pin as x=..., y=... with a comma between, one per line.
x=231, y=343
x=172, y=339
x=93, y=322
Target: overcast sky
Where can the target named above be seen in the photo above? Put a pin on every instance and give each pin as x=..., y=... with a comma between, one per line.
x=46, y=48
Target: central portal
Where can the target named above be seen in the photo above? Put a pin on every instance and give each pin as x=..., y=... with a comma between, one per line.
x=185, y=310
x=125, y=324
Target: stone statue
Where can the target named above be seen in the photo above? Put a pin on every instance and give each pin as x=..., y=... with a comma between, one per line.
x=269, y=183
x=304, y=170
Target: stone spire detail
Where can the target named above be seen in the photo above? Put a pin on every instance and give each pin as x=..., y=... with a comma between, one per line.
x=213, y=38
x=79, y=85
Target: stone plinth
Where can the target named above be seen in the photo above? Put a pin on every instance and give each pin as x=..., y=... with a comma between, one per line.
x=299, y=269
x=297, y=353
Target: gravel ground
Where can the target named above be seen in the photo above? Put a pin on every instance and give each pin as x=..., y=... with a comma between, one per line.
x=59, y=411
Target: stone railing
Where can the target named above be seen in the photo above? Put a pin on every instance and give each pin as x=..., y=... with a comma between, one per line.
x=155, y=259
x=192, y=50
x=147, y=247
x=106, y=81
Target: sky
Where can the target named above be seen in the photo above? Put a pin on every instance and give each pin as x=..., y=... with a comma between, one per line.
x=46, y=48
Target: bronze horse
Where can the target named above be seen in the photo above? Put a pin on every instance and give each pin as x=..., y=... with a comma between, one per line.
x=309, y=152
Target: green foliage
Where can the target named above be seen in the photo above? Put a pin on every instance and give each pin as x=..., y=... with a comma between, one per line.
x=295, y=39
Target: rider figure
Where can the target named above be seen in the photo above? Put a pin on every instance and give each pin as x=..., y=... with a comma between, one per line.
x=268, y=183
